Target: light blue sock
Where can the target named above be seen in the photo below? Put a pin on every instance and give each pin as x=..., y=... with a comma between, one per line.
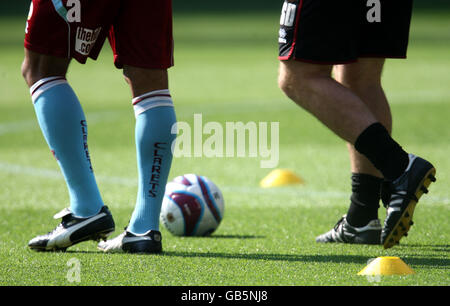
x=63, y=124
x=155, y=117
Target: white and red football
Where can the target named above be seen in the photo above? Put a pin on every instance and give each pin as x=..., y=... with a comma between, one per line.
x=193, y=206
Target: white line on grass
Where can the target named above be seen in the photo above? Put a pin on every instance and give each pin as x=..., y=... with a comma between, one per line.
x=32, y=124
x=300, y=192
x=109, y=116
x=18, y=126
x=187, y=113
x=56, y=175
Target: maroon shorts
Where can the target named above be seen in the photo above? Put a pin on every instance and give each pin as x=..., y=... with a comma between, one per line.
x=139, y=31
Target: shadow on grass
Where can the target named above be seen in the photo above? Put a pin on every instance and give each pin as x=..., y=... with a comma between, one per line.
x=251, y=256
x=359, y=259
x=226, y=237
x=435, y=262
x=439, y=247
x=273, y=257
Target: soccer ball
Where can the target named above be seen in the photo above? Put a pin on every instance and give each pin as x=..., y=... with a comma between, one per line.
x=192, y=206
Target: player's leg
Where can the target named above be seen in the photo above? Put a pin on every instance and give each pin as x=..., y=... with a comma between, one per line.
x=339, y=108
x=333, y=104
x=36, y=66
x=312, y=87
x=409, y=177
x=155, y=118
x=384, y=32
x=305, y=75
x=142, y=44
x=364, y=79
x=64, y=127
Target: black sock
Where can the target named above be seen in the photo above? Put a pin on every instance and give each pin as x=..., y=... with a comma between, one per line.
x=385, y=154
x=365, y=199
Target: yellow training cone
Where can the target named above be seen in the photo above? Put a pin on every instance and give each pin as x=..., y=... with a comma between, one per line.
x=280, y=177
x=386, y=265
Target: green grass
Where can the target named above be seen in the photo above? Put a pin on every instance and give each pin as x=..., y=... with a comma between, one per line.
x=226, y=69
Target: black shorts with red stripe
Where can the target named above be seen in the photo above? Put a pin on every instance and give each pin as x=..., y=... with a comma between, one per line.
x=341, y=31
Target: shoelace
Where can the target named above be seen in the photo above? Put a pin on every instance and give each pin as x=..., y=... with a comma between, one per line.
x=346, y=237
x=338, y=223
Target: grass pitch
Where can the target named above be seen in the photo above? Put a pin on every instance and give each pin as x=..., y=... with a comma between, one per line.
x=225, y=69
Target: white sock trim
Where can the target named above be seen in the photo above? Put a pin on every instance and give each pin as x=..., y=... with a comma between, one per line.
x=152, y=99
x=45, y=84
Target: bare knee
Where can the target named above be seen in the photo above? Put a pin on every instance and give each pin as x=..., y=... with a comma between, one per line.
x=286, y=81
x=36, y=66
x=297, y=80
x=29, y=70
x=142, y=80
x=292, y=83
